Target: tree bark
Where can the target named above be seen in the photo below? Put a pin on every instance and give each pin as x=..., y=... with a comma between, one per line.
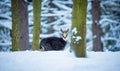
x=36, y=25
x=78, y=39
x=24, y=37
x=15, y=26
x=20, y=40
x=96, y=26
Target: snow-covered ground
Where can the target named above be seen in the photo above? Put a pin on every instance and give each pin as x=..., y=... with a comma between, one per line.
x=58, y=61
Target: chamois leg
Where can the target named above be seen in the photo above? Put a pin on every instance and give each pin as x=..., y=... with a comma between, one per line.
x=46, y=47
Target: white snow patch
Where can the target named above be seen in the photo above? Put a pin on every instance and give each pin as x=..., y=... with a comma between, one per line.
x=95, y=36
x=58, y=61
x=78, y=38
x=74, y=30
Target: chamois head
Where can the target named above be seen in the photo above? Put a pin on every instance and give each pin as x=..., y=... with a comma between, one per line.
x=64, y=34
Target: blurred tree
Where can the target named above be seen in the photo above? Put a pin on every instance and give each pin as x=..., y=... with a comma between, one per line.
x=36, y=25
x=19, y=25
x=78, y=39
x=96, y=26
x=24, y=37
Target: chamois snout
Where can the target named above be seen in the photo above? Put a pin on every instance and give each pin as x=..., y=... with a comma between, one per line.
x=64, y=34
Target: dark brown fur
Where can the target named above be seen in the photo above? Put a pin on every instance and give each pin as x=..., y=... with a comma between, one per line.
x=54, y=43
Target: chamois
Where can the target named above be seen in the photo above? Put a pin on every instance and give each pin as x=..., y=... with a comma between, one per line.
x=54, y=43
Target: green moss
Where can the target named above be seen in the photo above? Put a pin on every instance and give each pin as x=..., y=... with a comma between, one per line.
x=36, y=26
x=79, y=21
x=15, y=26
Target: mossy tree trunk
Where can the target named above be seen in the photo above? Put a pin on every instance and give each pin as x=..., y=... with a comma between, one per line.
x=78, y=39
x=36, y=24
x=96, y=26
x=19, y=25
x=15, y=26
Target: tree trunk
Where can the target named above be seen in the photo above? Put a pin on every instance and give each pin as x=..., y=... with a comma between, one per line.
x=96, y=26
x=36, y=26
x=78, y=39
x=20, y=39
x=15, y=26
x=24, y=37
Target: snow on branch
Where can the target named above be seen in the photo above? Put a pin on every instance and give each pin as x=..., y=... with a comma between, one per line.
x=107, y=21
x=64, y=2
x=56, y=14
x=6, y=24
x=62, y=6
x=55, y=22
x=5, y=44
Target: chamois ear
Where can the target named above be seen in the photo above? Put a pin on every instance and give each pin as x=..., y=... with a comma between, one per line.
x=67, y=30
x=61, y=30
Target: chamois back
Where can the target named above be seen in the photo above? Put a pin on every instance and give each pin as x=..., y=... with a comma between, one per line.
x=54, y=43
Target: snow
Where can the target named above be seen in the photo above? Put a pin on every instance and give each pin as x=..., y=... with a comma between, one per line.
x=58, y=61
x=78, y=38
x=74, y=30
x=75, y=37
x=62, y=6
x=62, y=60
